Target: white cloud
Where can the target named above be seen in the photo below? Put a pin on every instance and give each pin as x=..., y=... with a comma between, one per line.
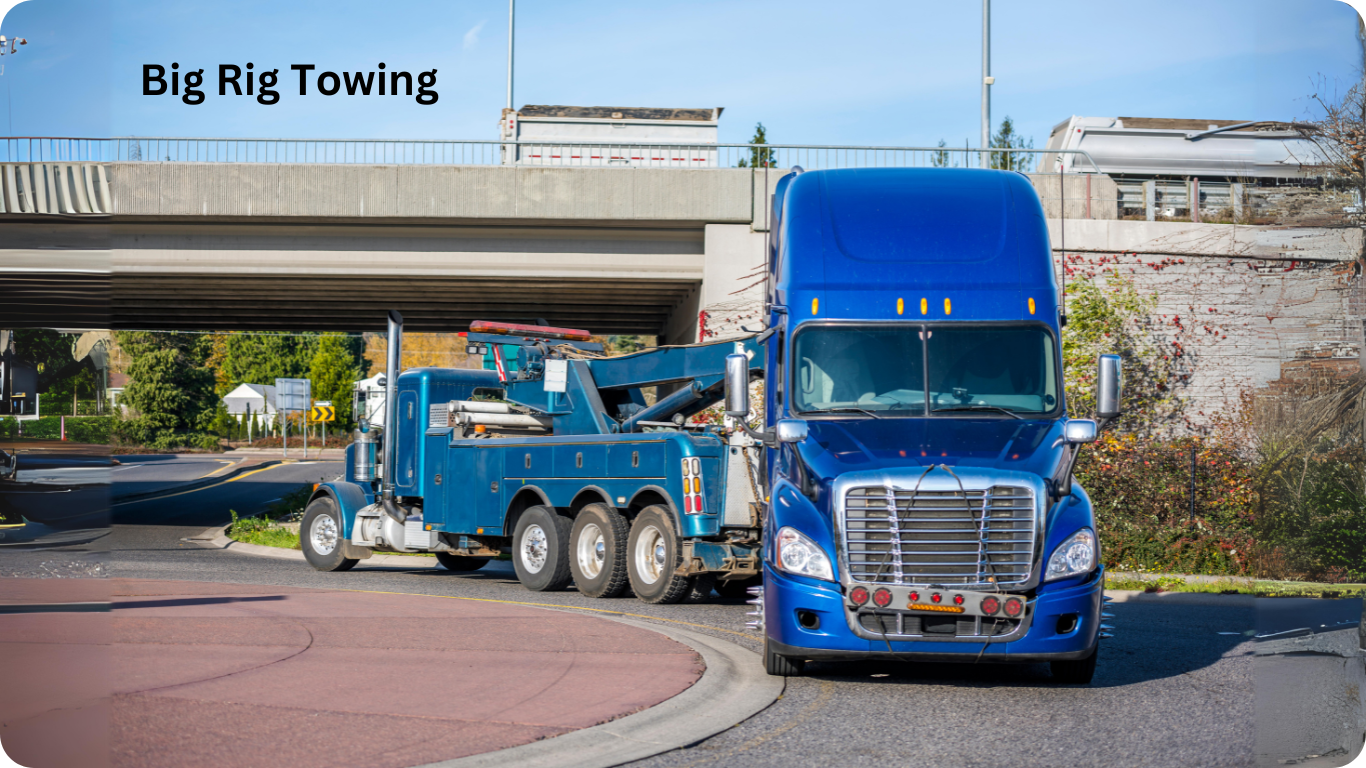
x=472, y=36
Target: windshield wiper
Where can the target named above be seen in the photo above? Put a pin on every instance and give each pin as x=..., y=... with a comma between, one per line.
x=978, y=408
x=849, y=408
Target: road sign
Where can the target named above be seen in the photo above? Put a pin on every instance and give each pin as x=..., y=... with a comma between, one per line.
x=292, y=394
x=322, y=413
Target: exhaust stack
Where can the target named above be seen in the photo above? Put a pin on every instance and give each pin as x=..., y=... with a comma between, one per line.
x=394, y=362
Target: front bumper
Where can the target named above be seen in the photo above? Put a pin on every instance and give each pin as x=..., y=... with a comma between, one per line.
x=786, y=596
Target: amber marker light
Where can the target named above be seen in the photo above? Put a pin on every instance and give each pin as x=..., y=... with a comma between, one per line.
x=1031, y=306
x=935, y=608
x=900, y=306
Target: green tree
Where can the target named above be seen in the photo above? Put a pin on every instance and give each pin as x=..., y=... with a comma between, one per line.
x=250, y=358
x=170, y=385
x=940, y=157
x=334, y=371
x=1007, y=138
x=624, y=345
x=760, y=156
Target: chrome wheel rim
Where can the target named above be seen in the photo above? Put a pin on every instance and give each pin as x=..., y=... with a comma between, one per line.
x=650, y=555
x=322, y=534
x=535, y=548
x=591, y=550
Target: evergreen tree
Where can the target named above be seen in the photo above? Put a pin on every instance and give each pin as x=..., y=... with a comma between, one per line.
x=170, y=383
x=1007, y=138
x=334, y=371
x=760, y=157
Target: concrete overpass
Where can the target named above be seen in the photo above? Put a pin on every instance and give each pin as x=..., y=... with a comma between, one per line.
x=321, y=247
x=329, y=246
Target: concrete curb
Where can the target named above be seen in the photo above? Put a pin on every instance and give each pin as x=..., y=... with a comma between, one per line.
x=1180, y=598
x=733, y=688
x=216, y=538
x=193, y=485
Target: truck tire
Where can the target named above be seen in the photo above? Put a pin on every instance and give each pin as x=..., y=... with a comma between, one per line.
x=460, y=563
x=1075, y=672
x=702, y=585
x=321, y=537
x=540, y=550
x=653, y=553
x=597, y=551
x=781, y=666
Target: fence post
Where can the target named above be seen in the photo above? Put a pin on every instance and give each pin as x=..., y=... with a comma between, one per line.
x=63, y=427
x=1192, y=483
x=1236, y=192
x=1150, y=199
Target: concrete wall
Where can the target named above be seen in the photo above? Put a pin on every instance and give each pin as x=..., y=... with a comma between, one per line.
x=1087, y=196
x=487, y=194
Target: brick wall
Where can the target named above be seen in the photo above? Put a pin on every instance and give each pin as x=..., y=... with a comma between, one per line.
x=1235, y=325
x=1299, y=206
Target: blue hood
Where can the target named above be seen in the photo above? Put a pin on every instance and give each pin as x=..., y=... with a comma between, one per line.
x=834, y=447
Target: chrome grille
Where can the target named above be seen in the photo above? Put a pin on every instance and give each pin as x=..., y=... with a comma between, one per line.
x=894, y=536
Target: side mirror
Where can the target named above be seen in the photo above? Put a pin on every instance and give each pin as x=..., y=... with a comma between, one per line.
x=1109, y=386
x=791, y=430
x=1079, y=431
x=737, y=386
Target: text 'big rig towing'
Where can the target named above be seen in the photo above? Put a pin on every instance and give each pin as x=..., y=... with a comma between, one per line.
x=908, y=496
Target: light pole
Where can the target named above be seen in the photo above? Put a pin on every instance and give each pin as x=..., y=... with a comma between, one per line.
x=512, y=7
x=987, y=79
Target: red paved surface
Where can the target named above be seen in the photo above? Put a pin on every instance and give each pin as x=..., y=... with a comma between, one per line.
x=194, y=674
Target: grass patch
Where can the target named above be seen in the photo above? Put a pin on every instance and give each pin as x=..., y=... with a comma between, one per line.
x=1259, y=588
x=270, y=537
x=261, y=530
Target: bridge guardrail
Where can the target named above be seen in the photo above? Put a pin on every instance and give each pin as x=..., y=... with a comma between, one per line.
x=533, y=153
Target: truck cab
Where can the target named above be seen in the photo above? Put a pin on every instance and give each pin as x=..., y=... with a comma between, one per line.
x=921, y=504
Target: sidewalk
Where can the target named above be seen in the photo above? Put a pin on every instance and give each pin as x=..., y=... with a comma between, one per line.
x=191, y=673
x=295, y=452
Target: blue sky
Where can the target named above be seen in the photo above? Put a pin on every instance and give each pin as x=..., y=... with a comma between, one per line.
x=896, y=73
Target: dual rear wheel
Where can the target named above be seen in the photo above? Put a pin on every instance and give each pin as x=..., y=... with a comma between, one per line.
x=601, y=554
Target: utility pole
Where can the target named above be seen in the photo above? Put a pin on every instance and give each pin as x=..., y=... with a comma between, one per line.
x=512, y=8
x=987, y=79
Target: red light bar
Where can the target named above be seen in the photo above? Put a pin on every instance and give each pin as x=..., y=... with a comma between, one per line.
x=538, y=331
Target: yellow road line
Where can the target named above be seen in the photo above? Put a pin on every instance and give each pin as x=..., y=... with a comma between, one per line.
x=227, y=465
x=554, y=605
x=205, y=488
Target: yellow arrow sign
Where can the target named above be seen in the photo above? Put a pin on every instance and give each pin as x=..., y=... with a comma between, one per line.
x=322, y=413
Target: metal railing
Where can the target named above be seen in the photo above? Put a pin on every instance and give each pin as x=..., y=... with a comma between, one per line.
x=537, y=153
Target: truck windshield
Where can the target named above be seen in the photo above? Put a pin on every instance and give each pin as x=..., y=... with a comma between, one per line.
x=909, y=369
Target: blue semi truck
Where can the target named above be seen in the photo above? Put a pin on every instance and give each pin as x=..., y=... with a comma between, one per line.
x=908, y=493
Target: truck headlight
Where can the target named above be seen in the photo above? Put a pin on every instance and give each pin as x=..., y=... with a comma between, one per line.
x=1074, y=556
x=800, y=555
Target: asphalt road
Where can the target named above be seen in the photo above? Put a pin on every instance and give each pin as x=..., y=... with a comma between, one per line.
x=246, y=493
x=1169, y=691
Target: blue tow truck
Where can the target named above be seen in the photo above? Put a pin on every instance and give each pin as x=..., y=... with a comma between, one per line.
x=908, y=494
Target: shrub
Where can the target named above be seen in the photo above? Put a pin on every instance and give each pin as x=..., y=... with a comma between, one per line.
x=1140, y=488
x=94, y=430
